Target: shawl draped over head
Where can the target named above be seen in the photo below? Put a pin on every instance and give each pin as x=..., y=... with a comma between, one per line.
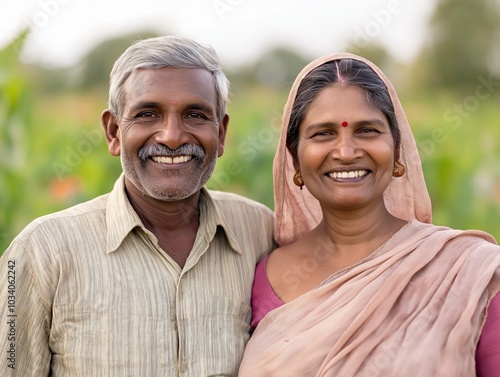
x=297, y=211
x=415, y=307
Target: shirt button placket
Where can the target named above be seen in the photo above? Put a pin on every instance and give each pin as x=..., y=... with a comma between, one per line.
x=182, y=367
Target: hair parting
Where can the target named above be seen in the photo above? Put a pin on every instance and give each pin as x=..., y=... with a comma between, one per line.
x=348, y=72
x=339, y=76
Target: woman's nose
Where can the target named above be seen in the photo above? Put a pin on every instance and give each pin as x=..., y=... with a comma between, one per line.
x=345, y=148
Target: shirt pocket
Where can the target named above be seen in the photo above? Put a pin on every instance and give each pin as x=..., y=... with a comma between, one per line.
x=223, y=327
x=111, y=341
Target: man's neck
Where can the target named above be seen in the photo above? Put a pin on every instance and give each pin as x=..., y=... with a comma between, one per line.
x=158, y=214
x=175, y=224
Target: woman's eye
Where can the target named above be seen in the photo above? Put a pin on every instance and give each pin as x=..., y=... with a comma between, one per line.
x=368, y=131
x=322, y=133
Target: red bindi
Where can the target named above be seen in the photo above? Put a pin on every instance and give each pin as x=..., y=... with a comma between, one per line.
x=173, y=103
x=344, y=124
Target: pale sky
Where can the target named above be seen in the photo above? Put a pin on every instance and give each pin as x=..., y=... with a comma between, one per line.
x=239, y=30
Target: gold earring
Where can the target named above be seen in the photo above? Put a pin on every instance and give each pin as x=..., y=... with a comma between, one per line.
x=297, y=179
x=398, y=170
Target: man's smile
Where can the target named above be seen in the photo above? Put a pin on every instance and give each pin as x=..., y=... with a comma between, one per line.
x=171, y=160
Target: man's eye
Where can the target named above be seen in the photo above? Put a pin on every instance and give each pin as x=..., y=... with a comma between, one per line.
x=196, y=116
x=146, y=114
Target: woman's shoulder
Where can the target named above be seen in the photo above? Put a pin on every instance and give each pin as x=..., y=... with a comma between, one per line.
x=293, y=270
x=431, y=231
x=283, y=256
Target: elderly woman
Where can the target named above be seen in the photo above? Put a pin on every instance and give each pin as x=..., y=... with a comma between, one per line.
x=363, y=284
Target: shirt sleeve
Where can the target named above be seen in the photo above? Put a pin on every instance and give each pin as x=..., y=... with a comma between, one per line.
x=24, y=317
x=488, y=349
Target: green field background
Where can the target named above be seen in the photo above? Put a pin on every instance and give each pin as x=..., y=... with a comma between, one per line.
x=53, y=153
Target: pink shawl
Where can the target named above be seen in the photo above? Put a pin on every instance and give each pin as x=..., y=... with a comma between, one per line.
x=297, y=211
x=415, y=307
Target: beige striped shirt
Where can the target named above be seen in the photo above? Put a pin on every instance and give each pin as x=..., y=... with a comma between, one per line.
x=89, y=292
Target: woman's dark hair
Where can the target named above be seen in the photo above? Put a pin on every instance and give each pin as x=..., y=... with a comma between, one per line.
x=348, y=71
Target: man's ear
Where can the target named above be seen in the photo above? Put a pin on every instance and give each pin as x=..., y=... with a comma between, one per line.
x=222, y=134
x=111, y=131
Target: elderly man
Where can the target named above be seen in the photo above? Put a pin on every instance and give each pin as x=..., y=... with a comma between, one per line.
x=154, y=278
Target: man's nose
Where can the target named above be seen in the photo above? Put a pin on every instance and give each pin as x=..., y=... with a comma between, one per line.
x=172, y=132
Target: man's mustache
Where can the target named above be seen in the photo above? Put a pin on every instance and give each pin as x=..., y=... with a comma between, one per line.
x=162, y=150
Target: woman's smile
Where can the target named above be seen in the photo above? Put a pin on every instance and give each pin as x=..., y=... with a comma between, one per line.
x=350, y=175
x=333, y=157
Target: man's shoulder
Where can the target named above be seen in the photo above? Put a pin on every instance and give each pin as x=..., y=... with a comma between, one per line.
x=249, y=222
x=229, y=200
x=73, y=217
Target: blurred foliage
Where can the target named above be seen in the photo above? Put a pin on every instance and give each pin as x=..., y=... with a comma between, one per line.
x=374, y=53
x=254, y=128
x=460, y=153
x=275, y=69
x=53, y=152
x=15, y=120
x=92, y=72
x=97, y=65
x=462, y=45
x=278, y=67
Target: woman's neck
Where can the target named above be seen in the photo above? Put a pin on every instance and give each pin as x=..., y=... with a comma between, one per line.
x=357, y=234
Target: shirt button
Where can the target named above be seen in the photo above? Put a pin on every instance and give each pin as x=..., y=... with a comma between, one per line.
x=182, y=368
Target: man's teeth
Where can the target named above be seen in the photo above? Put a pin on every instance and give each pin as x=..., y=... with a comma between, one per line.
x=171, y=160
x=348, y=174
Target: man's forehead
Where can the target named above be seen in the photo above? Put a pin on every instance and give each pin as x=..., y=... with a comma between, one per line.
x=151, y=75
x=147, y=84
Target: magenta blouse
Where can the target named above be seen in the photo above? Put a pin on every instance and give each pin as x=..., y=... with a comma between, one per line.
x=488, y=349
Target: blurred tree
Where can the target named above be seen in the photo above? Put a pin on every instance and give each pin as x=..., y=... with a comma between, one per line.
x=379, y=55
x=376, y=53
x=91, y=73
x=462, y=41
x=53, y=80
x=279, y=67
x=96, y=66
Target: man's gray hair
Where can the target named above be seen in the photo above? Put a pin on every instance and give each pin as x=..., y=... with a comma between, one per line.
x=166, y=51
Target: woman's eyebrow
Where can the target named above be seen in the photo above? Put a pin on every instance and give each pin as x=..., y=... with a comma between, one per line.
x=338, y=124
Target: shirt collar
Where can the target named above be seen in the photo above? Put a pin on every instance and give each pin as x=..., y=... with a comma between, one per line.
x=212, y=215
x=121, y=218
